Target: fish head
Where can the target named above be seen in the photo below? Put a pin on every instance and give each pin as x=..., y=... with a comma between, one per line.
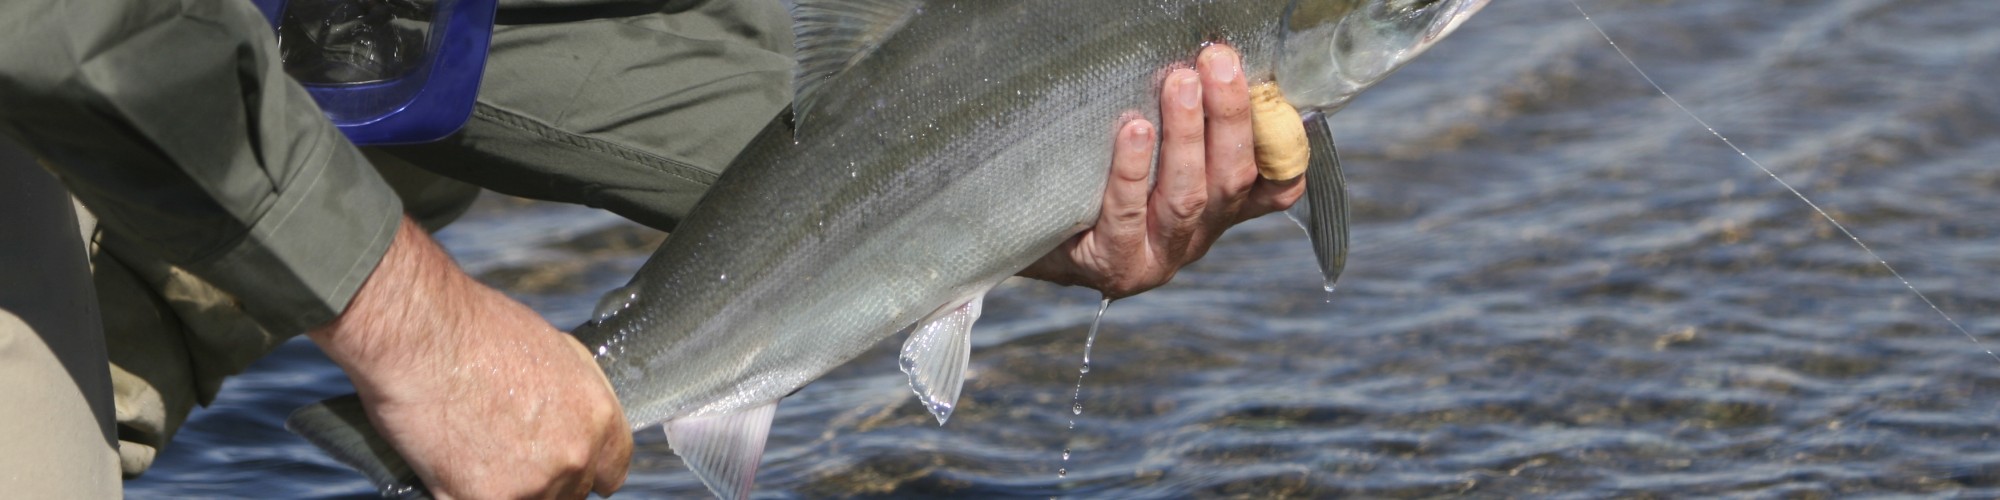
x=1334, y=49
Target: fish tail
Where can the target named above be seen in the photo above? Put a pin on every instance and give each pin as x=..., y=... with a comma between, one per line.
x=340, y=427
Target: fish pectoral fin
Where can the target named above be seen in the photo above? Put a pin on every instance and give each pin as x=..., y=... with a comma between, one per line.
x=724, y=450
x=829, y=36
x=1323, y=211
x=936, y=354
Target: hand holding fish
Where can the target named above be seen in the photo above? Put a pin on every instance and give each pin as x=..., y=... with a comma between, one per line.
x=440, y=360
x=1208, y=181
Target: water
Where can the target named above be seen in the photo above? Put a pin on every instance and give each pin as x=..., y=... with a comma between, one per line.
x=1559, y=286
x=1076, y=397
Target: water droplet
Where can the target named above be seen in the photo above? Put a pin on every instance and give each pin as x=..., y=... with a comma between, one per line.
x=603, y=349
x=614, y=302
x=1076, y=398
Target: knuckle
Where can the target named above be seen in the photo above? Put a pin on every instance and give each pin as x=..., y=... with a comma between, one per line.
x=1187, y=207
x=1126, y=216
x=1285, y=199
x=1135, y=172
x=1236, y=183
x=604, y=413
x=574, y=460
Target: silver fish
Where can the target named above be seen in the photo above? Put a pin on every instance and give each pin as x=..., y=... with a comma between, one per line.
x=935, y=148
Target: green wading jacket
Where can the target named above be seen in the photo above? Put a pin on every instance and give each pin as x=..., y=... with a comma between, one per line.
x=173, y=121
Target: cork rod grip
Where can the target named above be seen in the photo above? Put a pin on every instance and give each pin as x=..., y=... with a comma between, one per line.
x=1282, y=151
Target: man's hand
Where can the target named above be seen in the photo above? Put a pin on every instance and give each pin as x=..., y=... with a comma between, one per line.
x=480, y=394
x=1207, y=182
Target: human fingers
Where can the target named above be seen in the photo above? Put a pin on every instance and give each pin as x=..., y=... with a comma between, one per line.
x=1268, y=196
x=1122, y=222
x=1120, y=233
x=1231, y=160
x=567, y=486
x=1180, y=195
x=614, y=459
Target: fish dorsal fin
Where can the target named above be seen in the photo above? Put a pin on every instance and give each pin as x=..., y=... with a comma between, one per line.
x=1323, y=211
x=831, y=35
x=724, y=450
x=936, y=355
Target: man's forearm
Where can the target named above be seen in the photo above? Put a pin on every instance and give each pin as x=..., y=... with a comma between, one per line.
x=416, y=288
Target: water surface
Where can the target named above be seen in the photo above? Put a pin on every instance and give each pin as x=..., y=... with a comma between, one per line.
x=1560, y=286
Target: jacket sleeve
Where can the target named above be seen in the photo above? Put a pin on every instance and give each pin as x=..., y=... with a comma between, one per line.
x=173, y=121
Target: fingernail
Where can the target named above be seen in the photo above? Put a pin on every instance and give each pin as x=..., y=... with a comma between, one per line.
x=1190, y=91
x=1224, y=65
x=1140, y=132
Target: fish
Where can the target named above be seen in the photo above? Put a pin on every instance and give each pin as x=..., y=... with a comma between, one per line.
x=933, y=149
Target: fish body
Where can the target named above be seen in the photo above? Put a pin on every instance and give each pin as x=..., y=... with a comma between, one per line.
x=950, y=158
x=936, y=147
x=970, y=141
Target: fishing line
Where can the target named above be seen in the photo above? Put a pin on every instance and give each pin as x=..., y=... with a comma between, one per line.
x=1781, y=181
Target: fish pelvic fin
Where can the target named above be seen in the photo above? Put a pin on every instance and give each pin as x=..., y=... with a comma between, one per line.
x=1323, y=211
x=340, y=427
x=724, y=450
x=936, y=355
x=829, y=36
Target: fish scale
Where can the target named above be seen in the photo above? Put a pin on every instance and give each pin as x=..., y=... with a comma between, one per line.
x=814, y=287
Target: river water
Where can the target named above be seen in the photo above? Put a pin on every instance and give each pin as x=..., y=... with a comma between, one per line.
x=1560, y=286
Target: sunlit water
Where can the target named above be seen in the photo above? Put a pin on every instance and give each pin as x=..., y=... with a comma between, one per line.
x=1559, y=286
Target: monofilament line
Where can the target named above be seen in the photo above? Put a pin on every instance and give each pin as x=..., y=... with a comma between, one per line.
x=1781, y=181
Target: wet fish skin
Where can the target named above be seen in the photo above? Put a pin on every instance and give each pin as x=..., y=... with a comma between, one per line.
x=973, y=137
x=948, y=159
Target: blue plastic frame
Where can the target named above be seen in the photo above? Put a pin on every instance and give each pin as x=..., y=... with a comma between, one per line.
x=445, y=87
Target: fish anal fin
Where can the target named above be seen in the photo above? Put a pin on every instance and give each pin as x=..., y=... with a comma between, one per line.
x=724, y=450
x=936, y=355
x=1323, y=211
x=831, y=35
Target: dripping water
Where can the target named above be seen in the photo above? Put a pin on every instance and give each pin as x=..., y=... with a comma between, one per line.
x=1076, y=397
